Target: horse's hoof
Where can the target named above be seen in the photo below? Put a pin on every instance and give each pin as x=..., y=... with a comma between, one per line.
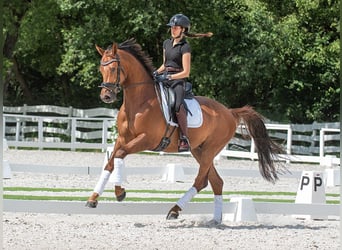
x=122, y=196
x=172, y=215
x=91, y=204
x=214, y=222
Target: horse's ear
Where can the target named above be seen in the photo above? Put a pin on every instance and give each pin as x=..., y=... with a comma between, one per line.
x=114, y=48
x=99, y=49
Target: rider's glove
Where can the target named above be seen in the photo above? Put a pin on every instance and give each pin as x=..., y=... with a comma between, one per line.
x=155, y=74
x=161, y=78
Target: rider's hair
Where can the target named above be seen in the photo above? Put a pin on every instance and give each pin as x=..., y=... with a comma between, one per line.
x=197, y=35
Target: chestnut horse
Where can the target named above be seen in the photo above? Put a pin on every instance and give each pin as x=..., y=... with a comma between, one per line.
x=141, y=126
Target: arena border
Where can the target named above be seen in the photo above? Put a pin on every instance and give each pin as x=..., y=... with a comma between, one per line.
x=230, y=209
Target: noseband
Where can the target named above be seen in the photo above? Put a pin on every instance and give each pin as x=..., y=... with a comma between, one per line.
x=112, y=87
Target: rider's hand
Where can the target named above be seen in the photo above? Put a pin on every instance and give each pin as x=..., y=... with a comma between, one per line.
x=155, y=73
x=161, y=78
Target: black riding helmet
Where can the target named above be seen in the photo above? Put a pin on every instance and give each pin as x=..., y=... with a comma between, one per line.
x=180, y=20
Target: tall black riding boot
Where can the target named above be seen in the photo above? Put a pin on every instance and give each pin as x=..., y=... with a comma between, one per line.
x=183, y=126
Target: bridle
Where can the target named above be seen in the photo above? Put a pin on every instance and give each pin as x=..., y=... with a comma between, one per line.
x=112, y=87
x=116, y=86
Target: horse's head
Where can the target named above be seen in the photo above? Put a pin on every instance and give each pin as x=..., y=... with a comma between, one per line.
x=124, y=66
x=111, y=73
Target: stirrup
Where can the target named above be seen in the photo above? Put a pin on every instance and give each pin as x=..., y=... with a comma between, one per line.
x=184, y=144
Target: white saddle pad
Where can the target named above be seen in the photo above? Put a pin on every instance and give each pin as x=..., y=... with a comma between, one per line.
x=195, y=116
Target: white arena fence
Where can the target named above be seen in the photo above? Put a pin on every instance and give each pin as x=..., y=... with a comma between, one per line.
x=57, y=127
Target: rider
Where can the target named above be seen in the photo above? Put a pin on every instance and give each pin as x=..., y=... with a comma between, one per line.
x=176, y=69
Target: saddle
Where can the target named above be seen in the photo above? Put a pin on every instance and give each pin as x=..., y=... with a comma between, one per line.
x=166, y=98
x=170, y=98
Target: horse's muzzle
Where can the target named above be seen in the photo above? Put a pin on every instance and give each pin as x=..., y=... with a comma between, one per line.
x=109, y=91
x=107, y=96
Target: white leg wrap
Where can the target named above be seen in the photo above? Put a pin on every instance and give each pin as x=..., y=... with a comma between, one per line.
x=187, y=197
x=118, y=173
x=218, y=201
x=102, y=182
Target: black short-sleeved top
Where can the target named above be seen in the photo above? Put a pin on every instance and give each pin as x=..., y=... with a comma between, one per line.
x=173, y=54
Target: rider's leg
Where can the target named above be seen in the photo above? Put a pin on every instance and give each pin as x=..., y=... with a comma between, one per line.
x=183, y=125
x=181, y=117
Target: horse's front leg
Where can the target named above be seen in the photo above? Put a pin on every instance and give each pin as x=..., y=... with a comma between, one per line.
x=113, y=160
x=104, y=177
x=116, y=165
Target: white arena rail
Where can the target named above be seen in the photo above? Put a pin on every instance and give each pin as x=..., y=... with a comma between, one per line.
x=230, y=209
x=122, y=208
x=138, y=170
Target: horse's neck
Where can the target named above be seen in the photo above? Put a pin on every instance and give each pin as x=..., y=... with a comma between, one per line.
x=139, y=90
x=140, y=95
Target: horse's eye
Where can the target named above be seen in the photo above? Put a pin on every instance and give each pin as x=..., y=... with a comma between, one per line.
x=112, y=70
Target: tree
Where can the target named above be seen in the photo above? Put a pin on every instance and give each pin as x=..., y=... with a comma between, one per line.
x=14, y=14
x=307, y=46
x=268, y=54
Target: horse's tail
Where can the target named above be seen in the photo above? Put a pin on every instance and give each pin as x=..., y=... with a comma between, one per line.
x=266, y=148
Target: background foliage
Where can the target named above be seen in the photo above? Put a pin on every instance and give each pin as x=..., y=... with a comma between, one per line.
x=282, y=57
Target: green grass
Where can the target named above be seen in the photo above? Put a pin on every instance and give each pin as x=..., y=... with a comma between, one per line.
x=153, y=191
x=146, y=199
x=31, y=189
x=78, y=198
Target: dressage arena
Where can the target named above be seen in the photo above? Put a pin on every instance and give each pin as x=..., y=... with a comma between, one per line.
x=28, y=230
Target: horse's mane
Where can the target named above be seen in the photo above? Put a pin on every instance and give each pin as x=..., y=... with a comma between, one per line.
x=135, y=49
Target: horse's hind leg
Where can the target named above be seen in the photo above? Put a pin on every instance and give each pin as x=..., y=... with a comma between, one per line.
x=174, y=211
x=201, y=182
x=216, y=183
x=206, y=172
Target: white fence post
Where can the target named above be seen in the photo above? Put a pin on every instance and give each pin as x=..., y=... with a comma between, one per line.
x=17, y=131
x=104, y=133
x=252, y=149
x=4, y=127
x=325, y=160
x=321, y=143
x=69, y=125
x=40, y=132
x=289, y=140
x=73, y=133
